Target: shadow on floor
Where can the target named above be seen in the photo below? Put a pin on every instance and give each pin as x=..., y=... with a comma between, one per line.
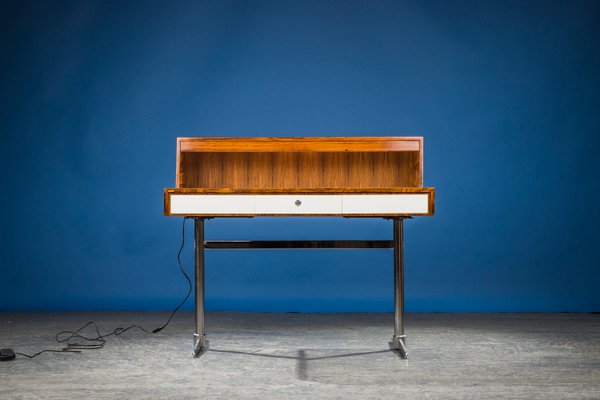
x=302, y=359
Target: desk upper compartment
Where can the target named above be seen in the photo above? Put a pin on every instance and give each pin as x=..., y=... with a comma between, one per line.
x=300, y=163
x=344, y=176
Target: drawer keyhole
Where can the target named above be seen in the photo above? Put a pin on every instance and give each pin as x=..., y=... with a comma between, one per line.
x=298, y=203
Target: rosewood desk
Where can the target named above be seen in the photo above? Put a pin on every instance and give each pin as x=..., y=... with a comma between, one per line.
x=326, y=176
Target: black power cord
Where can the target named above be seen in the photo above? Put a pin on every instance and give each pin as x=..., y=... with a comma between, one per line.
x=75, y=341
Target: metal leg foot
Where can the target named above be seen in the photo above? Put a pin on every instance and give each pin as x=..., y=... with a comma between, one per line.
x=398, y=343
x=200, y=342
x=200, y=345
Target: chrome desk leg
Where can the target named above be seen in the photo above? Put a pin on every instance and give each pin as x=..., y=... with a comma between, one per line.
x=200, y=342
x=399, y=339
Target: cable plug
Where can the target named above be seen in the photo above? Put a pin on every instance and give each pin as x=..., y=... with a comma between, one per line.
x=7, y=355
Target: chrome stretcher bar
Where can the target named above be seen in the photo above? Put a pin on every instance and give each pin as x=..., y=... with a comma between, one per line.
x=398, y=342
x=297, y=244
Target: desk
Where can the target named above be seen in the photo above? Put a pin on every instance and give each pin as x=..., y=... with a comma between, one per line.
x=328, y=176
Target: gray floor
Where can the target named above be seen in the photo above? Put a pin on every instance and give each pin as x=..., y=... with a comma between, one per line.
x=300, y=356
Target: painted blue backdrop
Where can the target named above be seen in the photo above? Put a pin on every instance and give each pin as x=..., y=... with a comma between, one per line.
x=506, y=94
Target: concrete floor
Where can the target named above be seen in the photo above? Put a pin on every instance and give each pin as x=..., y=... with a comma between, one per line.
x=300, y=356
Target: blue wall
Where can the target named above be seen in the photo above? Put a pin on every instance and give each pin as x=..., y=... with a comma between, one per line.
x=506, y=94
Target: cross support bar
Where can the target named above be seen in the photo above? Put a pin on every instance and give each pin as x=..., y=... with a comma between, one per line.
x=297, y=244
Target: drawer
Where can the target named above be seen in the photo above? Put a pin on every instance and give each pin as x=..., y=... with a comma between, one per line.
x=190, y=204
x=410, y=203
x=195, y=204
x=298, y=204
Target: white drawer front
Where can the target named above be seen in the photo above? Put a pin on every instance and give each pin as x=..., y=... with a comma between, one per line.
x=212, y=204
x=298, y=204
x=386, y=204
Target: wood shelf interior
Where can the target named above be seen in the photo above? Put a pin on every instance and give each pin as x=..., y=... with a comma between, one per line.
x=301, y=169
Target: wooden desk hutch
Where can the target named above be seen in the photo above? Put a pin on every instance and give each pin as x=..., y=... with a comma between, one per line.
x=318, y=176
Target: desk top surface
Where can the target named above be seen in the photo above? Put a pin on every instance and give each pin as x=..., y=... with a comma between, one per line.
x=301, y=144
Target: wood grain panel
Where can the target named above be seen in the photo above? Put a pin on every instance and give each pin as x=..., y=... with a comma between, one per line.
x=290, y=170
x=353, y=190
x=319, y=144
